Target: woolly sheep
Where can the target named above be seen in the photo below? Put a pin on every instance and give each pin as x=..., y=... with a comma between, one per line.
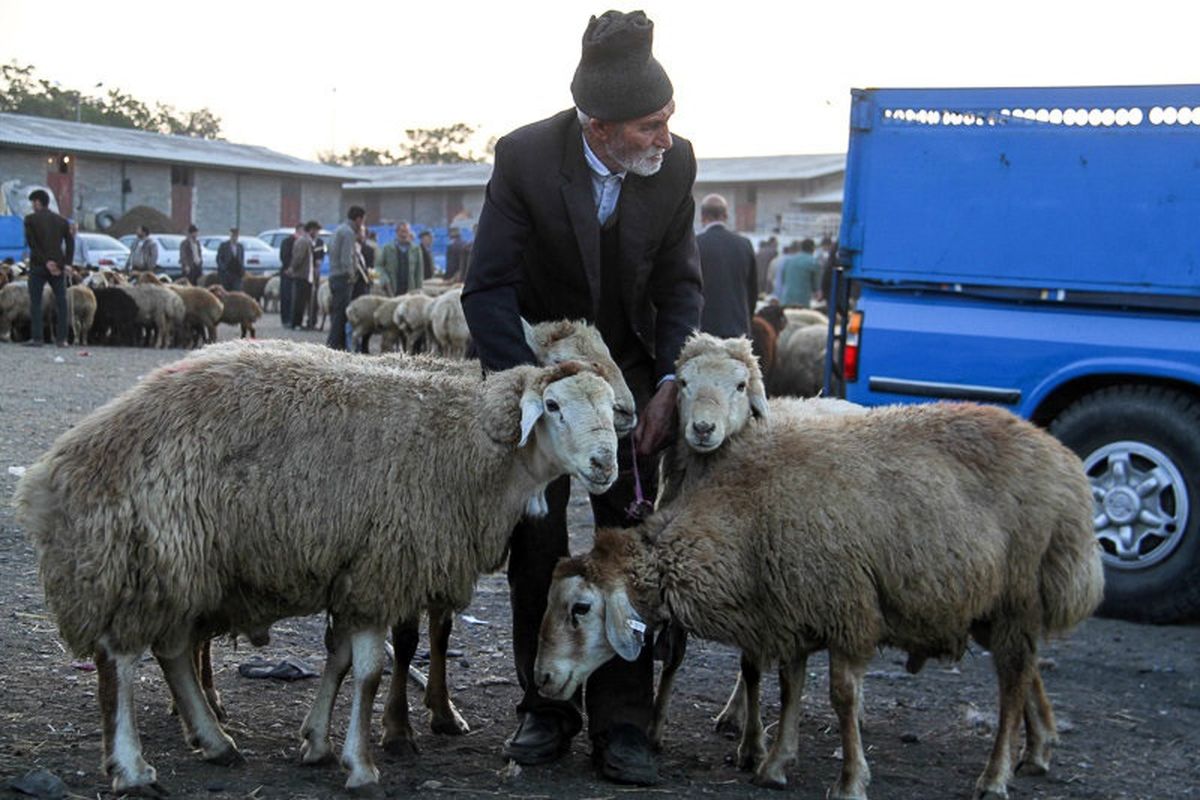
x=115, y=322
x=413, y=322
x=448, y=324
x=800, y=317
x=202, y=311
x=14, y=309
x=255, y=286
x=127, y=561
x=361, y=316
x=385, y=325
x=324, y=301
x=160, y=312
x=238, y=308
x=271, y=293
x=82, y=304
x=969, y=523
x=799, y=366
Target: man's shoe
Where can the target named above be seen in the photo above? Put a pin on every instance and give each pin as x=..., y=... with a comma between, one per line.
x=32, y=343
x=623, y=755
x=539, y=739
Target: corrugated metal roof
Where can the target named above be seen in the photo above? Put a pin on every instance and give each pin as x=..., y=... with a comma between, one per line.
x=74, y=137
x=821, y=198
x=758, y=169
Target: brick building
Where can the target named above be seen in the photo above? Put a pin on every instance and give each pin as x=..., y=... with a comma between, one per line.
x=97, y=169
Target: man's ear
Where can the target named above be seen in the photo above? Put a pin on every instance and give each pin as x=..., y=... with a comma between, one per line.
x=623, y=627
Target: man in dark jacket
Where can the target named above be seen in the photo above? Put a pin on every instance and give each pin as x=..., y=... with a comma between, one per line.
x=456, y=257
x=730, y=278
x=51, y=249
x=426, y=241
x=285, y=275
x=231, y=262
x=588, y=215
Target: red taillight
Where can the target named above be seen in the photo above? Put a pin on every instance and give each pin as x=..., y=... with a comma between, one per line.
x=850, y=353
x=252, y=261
x=107, y=262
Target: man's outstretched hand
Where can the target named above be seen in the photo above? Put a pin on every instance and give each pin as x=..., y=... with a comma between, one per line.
x=657, y=420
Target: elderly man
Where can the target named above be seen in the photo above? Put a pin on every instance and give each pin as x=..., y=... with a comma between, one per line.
x=231, y=262
x=400, y=262
x=729, y=268
x=588, y=215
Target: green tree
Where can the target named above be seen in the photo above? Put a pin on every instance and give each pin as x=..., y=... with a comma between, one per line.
x=22, y=91
x=447, y=145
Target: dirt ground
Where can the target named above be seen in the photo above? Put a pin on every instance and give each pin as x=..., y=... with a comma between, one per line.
x=1127, y=696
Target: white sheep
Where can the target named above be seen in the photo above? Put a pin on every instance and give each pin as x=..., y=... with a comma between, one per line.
x=385, y=324
x=271, y=293
x=159, y=310
x=916, y=527
x=152, y=529
x=412, y=319
x=448, y=324
x=361, y=316
x=14, y=309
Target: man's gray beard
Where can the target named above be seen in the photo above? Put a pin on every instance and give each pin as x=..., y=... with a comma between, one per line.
x=645, y=163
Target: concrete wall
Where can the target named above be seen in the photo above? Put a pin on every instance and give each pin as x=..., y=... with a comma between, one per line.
x=150, y=185
x=260, y=200
x=322, y=201
x=429, y=207
x=213, y=209
x=98, y=185
x=23, y=165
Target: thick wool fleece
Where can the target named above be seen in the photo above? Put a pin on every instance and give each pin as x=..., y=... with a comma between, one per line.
x=910, y=526
x=247, y=483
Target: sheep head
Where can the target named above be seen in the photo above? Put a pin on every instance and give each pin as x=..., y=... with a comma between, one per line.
x=576, y=340
x=589, y=617
x=720, y=389
x=563, y=415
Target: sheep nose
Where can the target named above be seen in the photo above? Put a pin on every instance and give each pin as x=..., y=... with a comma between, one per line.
x=602, y=466
x=704, y=429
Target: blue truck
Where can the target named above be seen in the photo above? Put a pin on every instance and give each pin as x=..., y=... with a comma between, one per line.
x=1039, y=249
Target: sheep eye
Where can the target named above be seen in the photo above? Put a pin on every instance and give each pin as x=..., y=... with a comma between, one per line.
x=682, y=383
x=552, y=406
x=579, y=609
x=741, y=387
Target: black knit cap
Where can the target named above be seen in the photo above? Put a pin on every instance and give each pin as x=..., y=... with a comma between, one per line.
x=618, y=77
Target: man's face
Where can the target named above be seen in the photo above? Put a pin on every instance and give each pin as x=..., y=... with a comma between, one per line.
x=233, y=236
x=404, y=234
x=638, y=145
x=426, y=239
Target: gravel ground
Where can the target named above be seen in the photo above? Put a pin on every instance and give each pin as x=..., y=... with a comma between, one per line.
x=1127, y=696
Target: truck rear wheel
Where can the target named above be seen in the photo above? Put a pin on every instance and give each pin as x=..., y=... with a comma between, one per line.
x=1140, y=446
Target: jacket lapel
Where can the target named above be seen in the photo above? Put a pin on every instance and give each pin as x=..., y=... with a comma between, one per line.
x=632, y=235
x=581, y=208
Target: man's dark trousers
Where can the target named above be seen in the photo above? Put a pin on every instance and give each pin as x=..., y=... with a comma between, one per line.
x=285, y=299
x=301, y=292
x=620, y=691
x=38, y=278
x=339, y=289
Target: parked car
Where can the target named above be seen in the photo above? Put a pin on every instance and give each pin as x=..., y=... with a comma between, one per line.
x=99, y=251
x=168, y=252
x=261, y=258
x=275, y=237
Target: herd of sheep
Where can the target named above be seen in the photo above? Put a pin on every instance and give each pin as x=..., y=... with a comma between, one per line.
x=783, y=527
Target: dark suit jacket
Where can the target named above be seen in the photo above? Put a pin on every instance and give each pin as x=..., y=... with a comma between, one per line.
x=285, y=254
x=49, y=238
x=536, y=252
x=229, y=261
x=730, y=282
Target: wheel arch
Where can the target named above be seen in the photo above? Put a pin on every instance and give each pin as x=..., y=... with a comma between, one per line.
x=1057, y=399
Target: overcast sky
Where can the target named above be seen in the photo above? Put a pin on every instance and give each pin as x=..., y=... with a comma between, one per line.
x=752, y=78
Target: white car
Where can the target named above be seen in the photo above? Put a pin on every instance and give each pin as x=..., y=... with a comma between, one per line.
x=275, y=237
x=99, y=251
x=261, y=258
x=168, y=252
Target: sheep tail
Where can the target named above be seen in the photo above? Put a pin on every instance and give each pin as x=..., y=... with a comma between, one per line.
x=1072, y=578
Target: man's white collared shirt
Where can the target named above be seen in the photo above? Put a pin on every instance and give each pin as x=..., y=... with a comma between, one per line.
x=606, y=185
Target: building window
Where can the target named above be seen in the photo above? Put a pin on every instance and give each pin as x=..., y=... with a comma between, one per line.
x=181, y=176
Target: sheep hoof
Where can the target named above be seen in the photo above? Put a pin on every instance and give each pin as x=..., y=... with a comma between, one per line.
x=727, y=725
x=366, y=790
x=749, y=759
x=991, y=794
x=154, y=789
x=312, y=755
x=449, y=724
x=401, y=746
x=1032, y=768
x=768, y=779
x=229, y=757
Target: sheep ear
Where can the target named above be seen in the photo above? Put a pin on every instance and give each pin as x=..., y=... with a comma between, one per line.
x=531, y=340
x=622, y=626
x=758, y=401
x=531, y=412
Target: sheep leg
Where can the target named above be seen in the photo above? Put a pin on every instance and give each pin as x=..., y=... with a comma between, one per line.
x=443, y=716
x=731, y=716
x=123, y=760
x=367, y=660
x=1015, y=661
x=751, y=749
x=199, y=720
x=205, y=671
x=845, y=694
x=677, y=647
x=398, y=737
x=314, y=733
x=772, y=773
x=1041, y=732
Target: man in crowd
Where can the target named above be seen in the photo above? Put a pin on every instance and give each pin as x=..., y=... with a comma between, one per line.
x=401, y=262
x=285, y=275
x=343, y=255
x=231, y=262
x=767, y=251
x=51, y=250
x=143, y=256
x=426, y=242
x=730, y=274
x=302, y=270
x=456, y=260
x=799, y=278
x=191, y=257
x=319, y=251
x=588, y=215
